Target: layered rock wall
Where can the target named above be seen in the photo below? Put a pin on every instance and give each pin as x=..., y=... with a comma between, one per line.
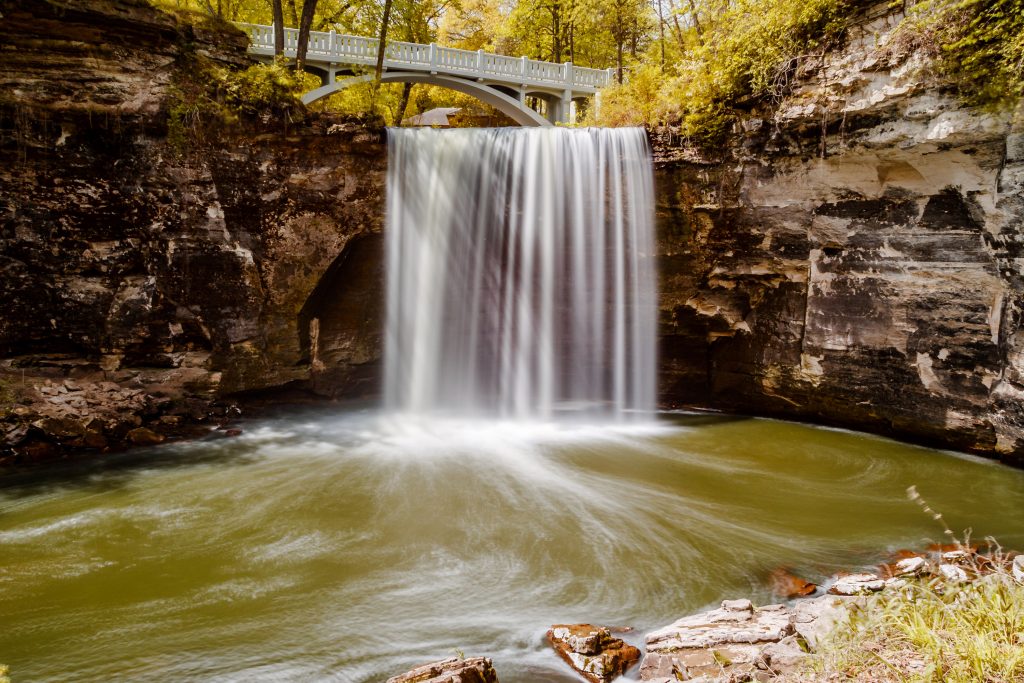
x=179, y=272
x=856, y=260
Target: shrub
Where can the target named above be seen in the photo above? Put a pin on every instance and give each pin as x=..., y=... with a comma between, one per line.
x=206, y=99
x=934, y=630
x=263, y=90
x=978, y=44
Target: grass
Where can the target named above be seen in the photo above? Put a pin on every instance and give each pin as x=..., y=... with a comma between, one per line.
x=933, y=630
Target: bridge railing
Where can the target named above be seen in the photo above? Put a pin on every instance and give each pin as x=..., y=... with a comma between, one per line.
x=348, y=49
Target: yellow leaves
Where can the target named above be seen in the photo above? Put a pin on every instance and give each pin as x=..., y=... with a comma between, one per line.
x=736, y=49
x=980, y=45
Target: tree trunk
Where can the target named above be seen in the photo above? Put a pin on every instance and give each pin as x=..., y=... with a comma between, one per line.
x=556, y=34
x=305, y=23
x=661, y=33
x=696, y=23
x=679, y=29
x=294, y=15
x=278, y=28
x=382, y=43
x=403, y=103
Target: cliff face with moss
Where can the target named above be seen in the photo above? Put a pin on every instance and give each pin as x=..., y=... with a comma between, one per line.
x=853, y=258
x=856, y=260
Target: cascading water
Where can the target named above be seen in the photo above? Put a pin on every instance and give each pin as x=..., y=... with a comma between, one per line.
x=520, y=273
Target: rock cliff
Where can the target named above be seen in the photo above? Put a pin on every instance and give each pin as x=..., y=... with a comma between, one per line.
x=181, y=275
x=855, y=260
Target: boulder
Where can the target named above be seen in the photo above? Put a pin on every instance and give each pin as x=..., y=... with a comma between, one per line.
x=957, y=557
x=1017, y=568
x=451, y=670
x=732, y=641
x=592, y=651
x=140, y=436
x=788, y=585
x=813, y=619
x=910, y=566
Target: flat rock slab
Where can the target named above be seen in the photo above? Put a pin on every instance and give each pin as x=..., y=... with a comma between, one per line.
x=592, y=651
x=857, y=584
x=735, y=641
x=451, y=670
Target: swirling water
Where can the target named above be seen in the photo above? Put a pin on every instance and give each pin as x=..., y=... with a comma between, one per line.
x=351, y=547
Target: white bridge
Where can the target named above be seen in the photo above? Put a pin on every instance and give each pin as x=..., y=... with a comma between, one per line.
x=501, y=81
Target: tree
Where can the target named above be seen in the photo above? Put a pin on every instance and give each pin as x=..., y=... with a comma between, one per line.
x=305, y=24
x=278, y=12
x=627, y=22
x=382, y=41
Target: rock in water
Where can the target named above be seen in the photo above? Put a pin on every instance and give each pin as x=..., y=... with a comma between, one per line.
x=857, y=584
x=451, y=670
x=736, y=640
x=789, y=586
x=140, y=436
x=592, y=651
x=910, y=566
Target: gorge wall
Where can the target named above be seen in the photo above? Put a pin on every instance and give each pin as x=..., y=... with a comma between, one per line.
x=856, y=260
x=141, y=281
x=853, y=259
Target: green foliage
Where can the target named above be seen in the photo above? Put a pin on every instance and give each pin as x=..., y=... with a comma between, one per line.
x=979, y=45
x=206, y=100
x=4, y=678
x=638, y=102
x=692, y=63
x=263, y=89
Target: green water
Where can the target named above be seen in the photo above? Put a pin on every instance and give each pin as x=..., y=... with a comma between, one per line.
x=318, y=547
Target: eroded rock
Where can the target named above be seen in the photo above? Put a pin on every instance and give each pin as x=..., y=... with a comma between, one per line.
x=790, y=586
x=451, y=670
x=857, y=584
x=730, y=641
x=592, y=651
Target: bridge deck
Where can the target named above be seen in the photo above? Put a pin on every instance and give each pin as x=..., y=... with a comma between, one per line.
x=516, y=72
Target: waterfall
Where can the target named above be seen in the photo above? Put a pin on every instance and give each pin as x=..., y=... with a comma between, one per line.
x=520, y=266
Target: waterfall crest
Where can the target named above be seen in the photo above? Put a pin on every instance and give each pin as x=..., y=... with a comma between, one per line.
x=520, y=273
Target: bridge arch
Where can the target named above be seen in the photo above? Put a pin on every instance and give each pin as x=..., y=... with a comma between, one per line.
x=506, y=104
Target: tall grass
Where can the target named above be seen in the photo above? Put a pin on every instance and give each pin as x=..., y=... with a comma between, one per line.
x=932, y=632
x=933, y=629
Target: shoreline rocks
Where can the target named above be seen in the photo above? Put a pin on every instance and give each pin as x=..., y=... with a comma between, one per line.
x=735, y=641
x=740, y=642
x=451, y=670
x=592, y=651
x=48, y=416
